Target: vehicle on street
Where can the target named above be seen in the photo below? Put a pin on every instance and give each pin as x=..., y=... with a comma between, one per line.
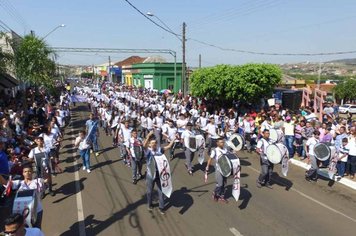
x=348, y=108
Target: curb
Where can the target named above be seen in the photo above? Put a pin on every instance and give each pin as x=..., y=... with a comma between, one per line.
x=323, y=172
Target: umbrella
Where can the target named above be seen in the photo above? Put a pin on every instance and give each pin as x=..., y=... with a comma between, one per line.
x=165, y=91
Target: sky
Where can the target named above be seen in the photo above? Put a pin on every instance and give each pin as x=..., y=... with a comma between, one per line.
x=273, y=26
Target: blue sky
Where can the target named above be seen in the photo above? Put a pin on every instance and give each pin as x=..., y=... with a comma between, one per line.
x=279, y=26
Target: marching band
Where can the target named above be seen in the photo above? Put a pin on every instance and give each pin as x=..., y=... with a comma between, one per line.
x=146, y=125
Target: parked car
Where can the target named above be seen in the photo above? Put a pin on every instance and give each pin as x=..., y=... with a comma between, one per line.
x=347, y=108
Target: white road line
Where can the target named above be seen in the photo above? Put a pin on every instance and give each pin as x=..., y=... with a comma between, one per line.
x=79, y=194
x=314, y=200
x=235, y=232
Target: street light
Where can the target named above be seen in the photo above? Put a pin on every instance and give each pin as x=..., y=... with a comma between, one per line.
x=183, y=47
x=153, y=15
x=59, y=26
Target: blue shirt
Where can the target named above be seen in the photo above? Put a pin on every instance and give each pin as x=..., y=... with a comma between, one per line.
x=338, y=140
x=4, y=163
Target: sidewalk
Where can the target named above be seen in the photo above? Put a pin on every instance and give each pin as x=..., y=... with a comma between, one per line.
x=324, y=172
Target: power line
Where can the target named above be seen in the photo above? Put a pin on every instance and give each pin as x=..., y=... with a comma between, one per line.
x=12, y=14
x=148, y=18
x=16, y=12
x=272, y=54
x=5, y=26
x=244, y=51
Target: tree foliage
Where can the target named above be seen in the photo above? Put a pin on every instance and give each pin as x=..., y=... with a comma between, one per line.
x=346, y=90
x=33, y=63
x=247, y=83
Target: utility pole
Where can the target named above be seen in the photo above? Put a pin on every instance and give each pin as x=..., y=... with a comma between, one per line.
x=199, y=61
x=183, y=62
x=110, y=77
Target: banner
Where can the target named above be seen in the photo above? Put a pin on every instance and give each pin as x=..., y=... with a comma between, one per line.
x=285, y=164
x=164, y=174
x=332, y=166
x=236, y=185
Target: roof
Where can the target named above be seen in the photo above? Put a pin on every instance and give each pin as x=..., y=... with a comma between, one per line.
x=154, y=59
x=7, y=81
x=324, y=87
x=130, y=60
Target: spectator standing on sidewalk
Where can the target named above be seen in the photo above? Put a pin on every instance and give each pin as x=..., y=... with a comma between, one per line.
x=288, y=129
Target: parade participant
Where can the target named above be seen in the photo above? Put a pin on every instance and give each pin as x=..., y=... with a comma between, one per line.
x=312, y=173
x=266, y=165
x=136, y=154
x=218, y=194
x=81, y=142
x=248, y=128
x=15, y=226
x=171, y=133
x=157, y=125
x=43, y=165
x=29, y=183
x=124, y=137
x=189, y=154
x=51, y=144
x=211, y=130
x=151, y=149
x=93, y=132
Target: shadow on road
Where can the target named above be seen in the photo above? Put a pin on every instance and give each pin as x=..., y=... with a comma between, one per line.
x=281, y=181
x=69, y=189
x=181, y=199
x=95, y=227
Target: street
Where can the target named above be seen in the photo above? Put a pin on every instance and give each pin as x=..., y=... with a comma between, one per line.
x=105, y=202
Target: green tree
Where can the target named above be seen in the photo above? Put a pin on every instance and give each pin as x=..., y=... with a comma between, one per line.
x=33, y=62
x=346, y=90
x=246, y=83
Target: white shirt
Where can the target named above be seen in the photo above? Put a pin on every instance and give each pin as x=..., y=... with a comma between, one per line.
x=126, y=135
x=158, y=121
x=211, y=129
x=36, y=184
x=82, y=143
x=352, y=147
x=185, y=136
x=49, y=140
x=143, y=122
x=311, y=142
x=149, y=123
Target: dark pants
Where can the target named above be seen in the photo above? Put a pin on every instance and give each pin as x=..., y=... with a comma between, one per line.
x=351, y=160
x=266, y=173
x=220, y=184
x=150, y=185
x=38, y=220
x=136, y=168
x=341, y=166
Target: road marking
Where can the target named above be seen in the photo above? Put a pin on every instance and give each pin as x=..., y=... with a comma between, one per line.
x=314, y=200
x=235, y=232
x=79, y=194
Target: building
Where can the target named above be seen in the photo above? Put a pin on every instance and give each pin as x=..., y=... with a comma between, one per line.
x=155, y=75
x=8, y=81
x=119, y=66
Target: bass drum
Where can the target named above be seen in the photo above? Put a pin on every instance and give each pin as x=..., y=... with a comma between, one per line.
x=276, y=135
x=322, y=151
x=224, y=165
x=283, y=149
x=236, y=142
x=273, y=153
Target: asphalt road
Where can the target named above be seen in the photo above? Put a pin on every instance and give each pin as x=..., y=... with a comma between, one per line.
x=105, y=202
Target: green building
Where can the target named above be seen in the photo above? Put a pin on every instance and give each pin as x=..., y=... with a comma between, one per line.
x=157, y=75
